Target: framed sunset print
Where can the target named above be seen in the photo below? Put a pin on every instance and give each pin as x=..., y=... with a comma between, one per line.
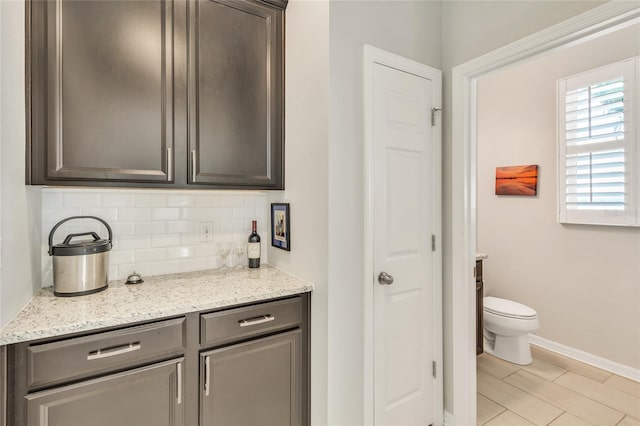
x=517, y=180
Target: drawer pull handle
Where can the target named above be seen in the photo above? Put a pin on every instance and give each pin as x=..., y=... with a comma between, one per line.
x=119, y=350
x=179, y=380
x=257, y=320
x=207, y=375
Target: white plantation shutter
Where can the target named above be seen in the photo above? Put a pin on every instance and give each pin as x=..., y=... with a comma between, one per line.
x=598, y=146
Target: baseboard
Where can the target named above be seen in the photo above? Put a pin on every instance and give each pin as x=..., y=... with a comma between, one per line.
x=448, y=419
x=587, y=358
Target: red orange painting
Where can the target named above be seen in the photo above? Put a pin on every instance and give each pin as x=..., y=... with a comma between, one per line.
x=517, y=180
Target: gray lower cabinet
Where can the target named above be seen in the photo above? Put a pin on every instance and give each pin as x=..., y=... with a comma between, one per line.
x=147, y=396
x=253, y=383
x=246, y=365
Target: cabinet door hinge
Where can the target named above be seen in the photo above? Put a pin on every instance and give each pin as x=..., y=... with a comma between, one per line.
x=433, y=368
x=433, y=243
x=434, y=111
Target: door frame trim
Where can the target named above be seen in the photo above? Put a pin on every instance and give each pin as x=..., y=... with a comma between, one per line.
x=372, y=56
x=587, y=25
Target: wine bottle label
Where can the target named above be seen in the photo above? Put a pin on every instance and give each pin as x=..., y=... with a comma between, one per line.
x=253, y=250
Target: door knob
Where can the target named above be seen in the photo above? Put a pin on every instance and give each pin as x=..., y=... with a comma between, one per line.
x=385, y=279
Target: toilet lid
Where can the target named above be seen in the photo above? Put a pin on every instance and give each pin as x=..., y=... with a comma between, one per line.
x=507, y=308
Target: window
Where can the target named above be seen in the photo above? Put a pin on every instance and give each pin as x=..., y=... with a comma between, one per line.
x=598, y=148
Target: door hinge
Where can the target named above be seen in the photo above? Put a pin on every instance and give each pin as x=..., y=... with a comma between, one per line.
x=434, y=111
x=433, y=243
x=433, y=368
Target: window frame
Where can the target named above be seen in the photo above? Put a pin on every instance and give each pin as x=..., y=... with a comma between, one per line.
x=630, y=215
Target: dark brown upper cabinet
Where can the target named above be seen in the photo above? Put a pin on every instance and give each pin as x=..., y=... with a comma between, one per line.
x=235, y=85
x=156, y=93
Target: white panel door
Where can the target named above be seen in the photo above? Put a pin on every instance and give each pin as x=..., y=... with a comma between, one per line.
x=402, y=223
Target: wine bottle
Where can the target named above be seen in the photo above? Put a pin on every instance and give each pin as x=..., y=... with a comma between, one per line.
x=253, y=248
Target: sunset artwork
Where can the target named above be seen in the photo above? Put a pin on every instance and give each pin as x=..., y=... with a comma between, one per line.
x=517, y=180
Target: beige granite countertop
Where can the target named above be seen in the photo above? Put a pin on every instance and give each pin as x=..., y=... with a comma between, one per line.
x=158, y=297
x=481, y=256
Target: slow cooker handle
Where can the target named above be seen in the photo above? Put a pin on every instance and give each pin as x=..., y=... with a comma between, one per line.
x=67, y=240
x=77, y=217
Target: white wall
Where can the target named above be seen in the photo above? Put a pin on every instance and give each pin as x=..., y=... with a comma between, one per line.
x=306, y=175
x=20, y=216
x=408, y=28
x=471, y=29
x=582, y=280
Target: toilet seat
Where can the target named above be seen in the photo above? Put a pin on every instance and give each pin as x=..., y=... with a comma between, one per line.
x=508, y=308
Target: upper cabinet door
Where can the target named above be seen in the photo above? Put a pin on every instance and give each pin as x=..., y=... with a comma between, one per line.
x=102, y=91
x=235, y=94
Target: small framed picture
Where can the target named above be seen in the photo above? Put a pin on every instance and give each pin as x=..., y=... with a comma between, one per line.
x=280, y=230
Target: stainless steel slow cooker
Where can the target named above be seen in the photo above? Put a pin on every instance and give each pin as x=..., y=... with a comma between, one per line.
x=80, y=267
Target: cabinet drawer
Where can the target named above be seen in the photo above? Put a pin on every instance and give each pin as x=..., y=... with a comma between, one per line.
x=478, y=270
x=56, y=362
x=236, y=324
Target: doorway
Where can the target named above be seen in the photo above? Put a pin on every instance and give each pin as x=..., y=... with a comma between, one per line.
x=464, y=120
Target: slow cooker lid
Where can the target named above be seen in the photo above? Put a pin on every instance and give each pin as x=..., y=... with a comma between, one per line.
x=80, y=248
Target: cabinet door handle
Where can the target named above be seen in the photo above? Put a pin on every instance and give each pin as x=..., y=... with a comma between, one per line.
x=256, y=320
x=207, y=375
x=193, y=166
x=169, y=164
x=119, y=350
x=179, y=378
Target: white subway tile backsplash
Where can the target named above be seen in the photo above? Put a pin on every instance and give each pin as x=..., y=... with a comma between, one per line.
x=244, y=211
x=232, y=201
x=134, y=214
x=155, y=231
x=122, y=229
x=150, y=200
x=55, y=215
x=180, y=252
x=181, y=200
x=116, y=200
x=207, y=200
x=81, y=199
x=150, y=255
x=53, y=200
x=108, y=214
x=207, y=250
x=223, y=212
x=120, y=256
x=166, y=267
x=197, y=213
x=165, y=213
x=133, y=242
x=148, y=228
x=166, y=240
x=189, y=239
x=181, y=226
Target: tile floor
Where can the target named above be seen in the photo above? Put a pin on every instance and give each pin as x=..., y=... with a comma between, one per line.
x=553, y=390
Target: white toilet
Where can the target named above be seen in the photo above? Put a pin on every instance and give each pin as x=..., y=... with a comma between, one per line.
x=507, y=325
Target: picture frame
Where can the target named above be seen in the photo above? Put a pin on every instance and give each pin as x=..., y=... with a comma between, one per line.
x=517, y=180
x=280, y=226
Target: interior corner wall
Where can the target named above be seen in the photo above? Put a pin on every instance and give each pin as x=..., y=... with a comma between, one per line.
x=20, y=215
x=306, y=177
x=411, y=29
x=582, y=280
x=469, y=30
x=1, y=119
